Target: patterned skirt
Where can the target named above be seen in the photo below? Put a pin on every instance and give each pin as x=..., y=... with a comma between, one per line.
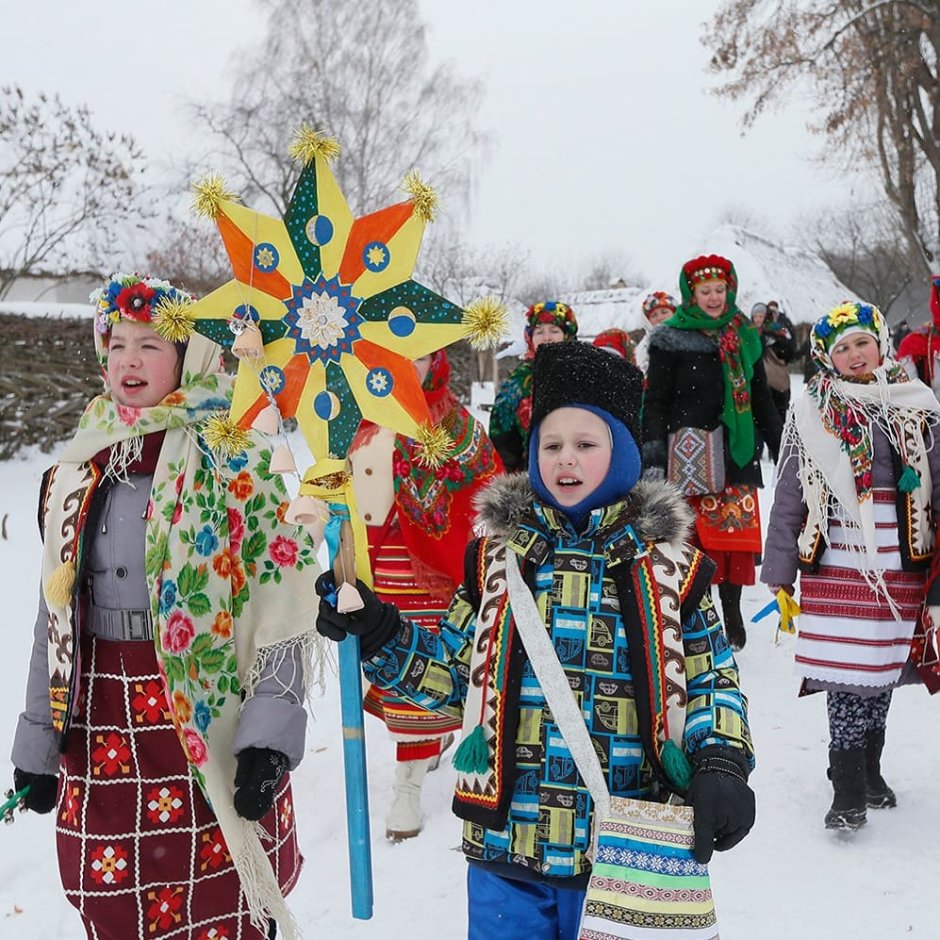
x=727, y=529
x=140, y=852
x=417, y=730
x=848, y=635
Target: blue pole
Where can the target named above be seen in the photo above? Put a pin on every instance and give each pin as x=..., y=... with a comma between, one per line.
x=357, y=793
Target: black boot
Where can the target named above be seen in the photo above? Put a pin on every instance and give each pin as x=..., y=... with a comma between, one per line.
x=877, y=793
x=847, y=773
x=730, y=595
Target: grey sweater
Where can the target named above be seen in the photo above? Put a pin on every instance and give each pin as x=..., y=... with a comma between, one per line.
x=273, y=717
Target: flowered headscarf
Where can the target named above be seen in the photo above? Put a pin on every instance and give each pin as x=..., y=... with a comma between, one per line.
x=654, y=300
x=616, y=341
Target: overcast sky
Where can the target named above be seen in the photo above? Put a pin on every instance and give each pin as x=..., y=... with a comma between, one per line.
x=604, y=136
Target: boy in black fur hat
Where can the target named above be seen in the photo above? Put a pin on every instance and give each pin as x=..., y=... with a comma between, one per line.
x=617, y=588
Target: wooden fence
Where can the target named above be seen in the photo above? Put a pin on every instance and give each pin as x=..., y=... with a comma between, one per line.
x=48, y=372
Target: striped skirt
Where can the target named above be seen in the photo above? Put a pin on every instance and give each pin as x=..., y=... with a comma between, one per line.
x=141, y=854
x=847, y=632
x=417, y=730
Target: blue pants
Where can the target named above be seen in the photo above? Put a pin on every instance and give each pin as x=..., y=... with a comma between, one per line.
x=504, y=909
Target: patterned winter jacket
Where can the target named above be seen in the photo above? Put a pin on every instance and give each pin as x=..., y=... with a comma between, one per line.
x=534, y=815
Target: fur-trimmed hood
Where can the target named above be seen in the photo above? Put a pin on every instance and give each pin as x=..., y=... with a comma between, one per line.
x=658, y=513
x=688, y=341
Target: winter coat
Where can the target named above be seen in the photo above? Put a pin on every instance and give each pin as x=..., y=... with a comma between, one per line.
x=685, y=389
x=781, y=559
x=114, y=579
x=542, y=827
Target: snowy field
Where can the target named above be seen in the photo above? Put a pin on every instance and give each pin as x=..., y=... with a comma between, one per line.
x=789, y=879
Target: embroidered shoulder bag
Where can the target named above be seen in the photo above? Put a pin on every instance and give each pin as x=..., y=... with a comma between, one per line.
x=696, y=461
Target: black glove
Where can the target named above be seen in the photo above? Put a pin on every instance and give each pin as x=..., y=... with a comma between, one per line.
x=43, y=789
x=721, y=798
x=375, y=624
x=256, y=780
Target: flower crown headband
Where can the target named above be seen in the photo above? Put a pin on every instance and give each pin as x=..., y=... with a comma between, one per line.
x=552, y=311
x=829, y=328
x=708, y=268
x=132, y=297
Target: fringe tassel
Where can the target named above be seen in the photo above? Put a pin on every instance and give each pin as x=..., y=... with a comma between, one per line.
x=473, y=755
x=910, y=480
x=59, y=586
x=260, y=888
x=122, y=455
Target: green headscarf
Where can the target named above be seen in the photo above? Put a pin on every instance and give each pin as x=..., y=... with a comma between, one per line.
x=739, y=347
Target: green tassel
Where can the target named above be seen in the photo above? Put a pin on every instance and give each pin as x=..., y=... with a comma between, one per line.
x=677, y=766
x=473, y=754
x=909, y=481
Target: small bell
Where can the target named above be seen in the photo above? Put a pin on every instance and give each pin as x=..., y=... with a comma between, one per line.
x=282, y=460
x=267, y=421
x=248, y=343
x=348, y=599
x=306, y=510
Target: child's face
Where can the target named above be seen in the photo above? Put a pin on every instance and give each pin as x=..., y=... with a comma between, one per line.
x=574, y=454
x=422, y=367
x=143, y=368
x=658, y=314
x=546, y=333
x=710, y=297
x=856, y=354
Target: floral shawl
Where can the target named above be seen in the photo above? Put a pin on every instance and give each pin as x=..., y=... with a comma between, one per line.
x=226, y=576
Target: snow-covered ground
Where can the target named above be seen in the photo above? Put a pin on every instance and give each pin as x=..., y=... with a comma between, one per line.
x=789, y=879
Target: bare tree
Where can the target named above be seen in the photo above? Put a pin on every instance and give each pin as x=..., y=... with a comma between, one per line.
x=191, y=255
x=871, y=69
x=865, y=249
x=609, y=268
x=361, y=72
x=66, y=187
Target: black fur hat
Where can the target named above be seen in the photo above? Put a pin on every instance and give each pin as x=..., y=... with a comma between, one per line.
x=566, y=375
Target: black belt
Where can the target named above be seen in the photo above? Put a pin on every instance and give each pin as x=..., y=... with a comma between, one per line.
x=121, y=624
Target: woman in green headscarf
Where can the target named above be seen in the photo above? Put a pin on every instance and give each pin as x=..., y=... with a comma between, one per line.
x=705, y=372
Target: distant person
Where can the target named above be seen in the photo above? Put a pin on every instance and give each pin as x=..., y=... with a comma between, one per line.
x=706, y=376
x=918, y=351
x=779, y=352
x=855, y=511
x=656, y=307
x=548, y=322
x=759, y=315
x=775, y=313
x=616, y=342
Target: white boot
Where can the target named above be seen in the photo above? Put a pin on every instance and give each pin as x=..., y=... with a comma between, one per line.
x=404, y=816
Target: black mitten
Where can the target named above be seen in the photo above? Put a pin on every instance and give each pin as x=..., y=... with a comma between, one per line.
x=43, y=789
x=256, y=780
x=375, y=624
x=722, y=800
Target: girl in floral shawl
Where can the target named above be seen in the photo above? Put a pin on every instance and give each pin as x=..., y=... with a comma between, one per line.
x=171, y=652
x=550, y=321
x=855, y=512
x=419, y=522
x=705, y=372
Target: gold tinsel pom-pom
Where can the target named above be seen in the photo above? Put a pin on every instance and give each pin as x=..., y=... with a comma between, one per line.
x=486, y=320
x=309, y=144
x=173, y=320
x=434, y=446
x=422, y=196
x=209, y=193
x=59, y=586
x=223, y=436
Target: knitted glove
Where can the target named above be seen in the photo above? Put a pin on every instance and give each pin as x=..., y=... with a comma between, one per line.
x=375, y=624
x=43, y=789
x=257, y=778
x=721, y=798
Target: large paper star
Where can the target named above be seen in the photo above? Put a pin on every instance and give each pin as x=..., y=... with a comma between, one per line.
x=340, y=318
